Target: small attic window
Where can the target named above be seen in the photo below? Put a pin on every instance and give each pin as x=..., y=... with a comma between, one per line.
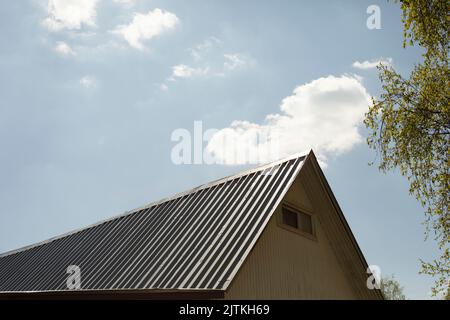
x=296, y=220
x=290, y=218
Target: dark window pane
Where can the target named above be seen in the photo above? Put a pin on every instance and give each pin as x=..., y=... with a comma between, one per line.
x=290, y=218
x=305, y=223
x=297, y=219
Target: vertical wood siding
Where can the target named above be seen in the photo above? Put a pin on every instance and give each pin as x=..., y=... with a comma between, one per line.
x=287, y=265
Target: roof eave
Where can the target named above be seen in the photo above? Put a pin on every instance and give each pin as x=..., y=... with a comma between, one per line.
x=117, y=294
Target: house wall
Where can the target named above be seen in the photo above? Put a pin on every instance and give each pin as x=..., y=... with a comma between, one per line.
x=286, y=265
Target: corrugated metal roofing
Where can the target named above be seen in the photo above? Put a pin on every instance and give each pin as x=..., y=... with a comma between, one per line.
x=195, y=240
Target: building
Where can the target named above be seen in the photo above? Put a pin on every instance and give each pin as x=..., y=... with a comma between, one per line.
x=274, y=232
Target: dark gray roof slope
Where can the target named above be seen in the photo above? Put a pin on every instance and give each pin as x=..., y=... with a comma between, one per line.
x=194, y=240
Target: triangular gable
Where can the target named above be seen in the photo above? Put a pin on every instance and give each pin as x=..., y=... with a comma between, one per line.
x=290, y=267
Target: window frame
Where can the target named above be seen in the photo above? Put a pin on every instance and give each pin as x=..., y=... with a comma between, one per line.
x=297, y=210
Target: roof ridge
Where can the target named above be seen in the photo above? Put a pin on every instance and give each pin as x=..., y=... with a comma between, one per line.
x=157, y=202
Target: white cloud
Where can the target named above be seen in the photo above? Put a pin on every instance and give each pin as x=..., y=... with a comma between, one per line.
x=323, y=114
x=126, y=2
x=64, y=49
x=146, y=26
x=201, y=50
x=89, y=82
x=184, y=71
x=231, y=62
x=364, y=65
x=236, y=61
x=70, y=14
x=208, y=60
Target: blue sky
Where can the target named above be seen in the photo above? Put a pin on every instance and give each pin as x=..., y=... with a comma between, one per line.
x=91, y=92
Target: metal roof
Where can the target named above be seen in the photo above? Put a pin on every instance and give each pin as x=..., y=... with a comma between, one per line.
x=195, y=240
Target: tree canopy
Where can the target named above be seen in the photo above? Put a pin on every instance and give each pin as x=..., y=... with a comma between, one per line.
x=391, y=288
x=409, y=124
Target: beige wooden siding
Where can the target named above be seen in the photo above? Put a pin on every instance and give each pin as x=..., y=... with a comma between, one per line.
x=286, y=265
